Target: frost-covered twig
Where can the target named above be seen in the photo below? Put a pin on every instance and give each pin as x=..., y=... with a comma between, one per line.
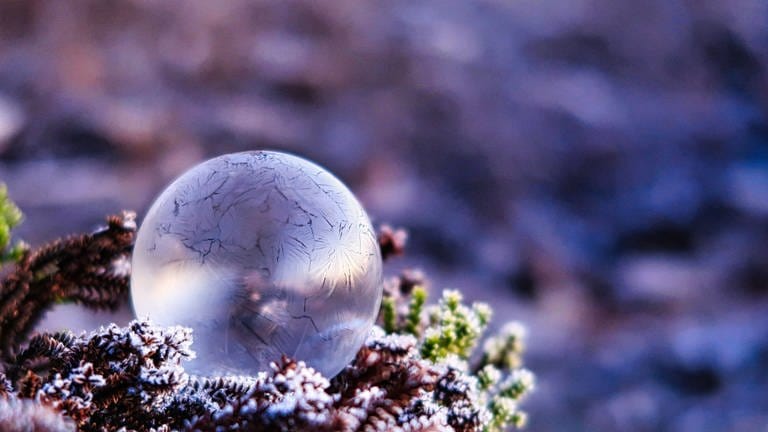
x=80, y=269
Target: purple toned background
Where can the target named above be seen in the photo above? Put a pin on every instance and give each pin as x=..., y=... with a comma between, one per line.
x=595, y=168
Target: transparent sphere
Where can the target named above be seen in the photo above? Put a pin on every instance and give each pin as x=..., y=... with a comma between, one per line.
x=261, y=254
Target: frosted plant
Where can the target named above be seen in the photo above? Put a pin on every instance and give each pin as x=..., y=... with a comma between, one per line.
x=79, y=269
x=415, y=375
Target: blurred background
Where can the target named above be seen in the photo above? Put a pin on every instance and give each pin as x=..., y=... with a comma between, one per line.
x=595, y=168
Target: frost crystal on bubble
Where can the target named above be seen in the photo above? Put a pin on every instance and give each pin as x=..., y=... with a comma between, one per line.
x=262, y=254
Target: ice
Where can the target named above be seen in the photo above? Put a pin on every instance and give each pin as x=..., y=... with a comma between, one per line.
x=261, y=254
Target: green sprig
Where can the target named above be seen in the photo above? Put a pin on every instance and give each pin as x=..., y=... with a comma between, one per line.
x=454, y=328
x=415, y=310
x=389, y=314
x=10, y=217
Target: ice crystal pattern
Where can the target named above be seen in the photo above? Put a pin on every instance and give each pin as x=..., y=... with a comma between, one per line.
x=262, y=254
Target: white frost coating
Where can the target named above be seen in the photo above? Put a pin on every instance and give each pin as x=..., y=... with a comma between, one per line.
x=261, y=254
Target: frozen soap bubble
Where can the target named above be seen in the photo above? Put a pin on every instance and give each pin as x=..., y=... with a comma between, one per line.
x=261, y=254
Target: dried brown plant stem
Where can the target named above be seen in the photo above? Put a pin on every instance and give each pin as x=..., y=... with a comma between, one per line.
x=76, y=269
x=392, y=241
